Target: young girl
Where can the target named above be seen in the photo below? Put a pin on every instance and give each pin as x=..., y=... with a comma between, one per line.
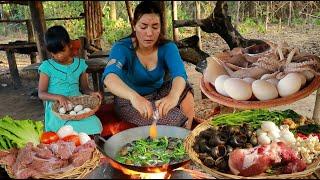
x=61, y=76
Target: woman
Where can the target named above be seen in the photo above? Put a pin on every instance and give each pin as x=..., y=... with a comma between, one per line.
x=136, y=76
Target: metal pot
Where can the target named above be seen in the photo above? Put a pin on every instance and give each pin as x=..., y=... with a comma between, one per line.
x=111, y=147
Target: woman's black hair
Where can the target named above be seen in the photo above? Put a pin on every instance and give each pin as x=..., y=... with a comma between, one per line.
x=56, y=38
x=150, y=7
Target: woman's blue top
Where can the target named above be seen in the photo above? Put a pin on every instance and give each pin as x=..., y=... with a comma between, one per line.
x=128, y=67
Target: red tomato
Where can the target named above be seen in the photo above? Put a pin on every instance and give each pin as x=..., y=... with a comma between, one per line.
x=73, y=138
x=49, y=137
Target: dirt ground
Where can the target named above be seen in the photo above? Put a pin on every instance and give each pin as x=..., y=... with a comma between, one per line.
x=21, y=104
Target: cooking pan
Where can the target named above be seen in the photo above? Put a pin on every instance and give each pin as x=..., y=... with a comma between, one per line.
x=111, y=147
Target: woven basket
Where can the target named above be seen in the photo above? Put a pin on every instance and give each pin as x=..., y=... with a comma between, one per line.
x=206, y=109
x=212, y=94
x=74, y=173
x=87, y=101
x=190, y=140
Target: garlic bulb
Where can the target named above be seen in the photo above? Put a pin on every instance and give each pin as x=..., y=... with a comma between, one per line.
x=264, y=139
x=269, y=126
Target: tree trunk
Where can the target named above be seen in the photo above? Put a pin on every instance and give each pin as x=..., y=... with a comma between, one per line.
x=290, y=13
x=219, y=22
x=175, y=31
x=130, y=13
x=251, y=8
x=198, y=16
x=238, y=12
x=267, y=17
x=113, y=11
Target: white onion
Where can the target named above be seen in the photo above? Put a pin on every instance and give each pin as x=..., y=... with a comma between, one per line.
x=64, y=131
x=84, y=138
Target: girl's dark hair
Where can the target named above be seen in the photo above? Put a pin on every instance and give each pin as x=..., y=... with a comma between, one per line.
x=150, y=7
x=56, y=38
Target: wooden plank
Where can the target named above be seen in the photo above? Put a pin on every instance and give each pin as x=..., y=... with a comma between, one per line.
x=39, y=27
x=13, y=69
x=48, y=19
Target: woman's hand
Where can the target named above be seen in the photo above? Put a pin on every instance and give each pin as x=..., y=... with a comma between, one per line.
x=166, y=104
x=142, y=105
x=63, y=101
x=96, y=94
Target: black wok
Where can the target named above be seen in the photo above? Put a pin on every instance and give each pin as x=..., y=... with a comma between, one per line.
x=111, y=146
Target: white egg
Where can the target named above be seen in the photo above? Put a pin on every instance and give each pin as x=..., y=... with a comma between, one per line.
x=80, y=112
x=289, y=85
x=249, y=80
x=78, y=108
x=72, y=113
x=265, y=77
x=238, y=89
x=273, y=81
x=308, y=74
x=263, y=90
x=62, y=110
x=302, y=78
x=87, y=109
x=213, y=70
x=219, y=84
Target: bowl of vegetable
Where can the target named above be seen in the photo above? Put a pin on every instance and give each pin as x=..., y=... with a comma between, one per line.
x=255, y=144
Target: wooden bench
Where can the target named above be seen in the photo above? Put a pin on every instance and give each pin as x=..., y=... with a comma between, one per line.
x=21, y=47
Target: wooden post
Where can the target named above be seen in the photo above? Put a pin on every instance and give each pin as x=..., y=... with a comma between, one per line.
x=175, y=31
x=130, y=13
x=13, y=68
x=164, y=16
x=31, y=39
x=198, y=16
x=316, y=110
x=39, y=27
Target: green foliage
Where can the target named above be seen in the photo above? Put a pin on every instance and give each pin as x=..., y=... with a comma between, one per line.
x=297, y=21
x=250, y=25
x=317, y=20
x=61, y=9
x=115, y=30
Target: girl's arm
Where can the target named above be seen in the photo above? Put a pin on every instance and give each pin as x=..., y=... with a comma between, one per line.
x=44, y=95
x=84, y=85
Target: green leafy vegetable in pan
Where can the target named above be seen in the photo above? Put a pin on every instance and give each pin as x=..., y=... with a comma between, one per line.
x=148, y=152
